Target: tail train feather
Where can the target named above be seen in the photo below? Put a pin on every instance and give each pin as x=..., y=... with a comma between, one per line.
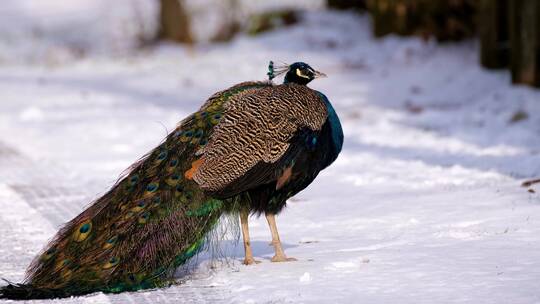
x=154, y=219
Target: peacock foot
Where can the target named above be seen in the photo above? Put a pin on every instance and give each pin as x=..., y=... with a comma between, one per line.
x=282, y=258
x=250, y=261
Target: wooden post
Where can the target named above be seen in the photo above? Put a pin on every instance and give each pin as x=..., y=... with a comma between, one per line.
x=494, y=37
x=174, y=22
x=525, y=41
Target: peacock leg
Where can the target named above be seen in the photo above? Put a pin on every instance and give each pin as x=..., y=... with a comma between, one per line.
x=280, y=255
x=248, y=260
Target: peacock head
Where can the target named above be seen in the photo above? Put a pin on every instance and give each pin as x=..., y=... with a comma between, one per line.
x=300, y=73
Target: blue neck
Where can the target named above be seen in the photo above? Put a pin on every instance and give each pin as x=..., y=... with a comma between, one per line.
x=335, y=124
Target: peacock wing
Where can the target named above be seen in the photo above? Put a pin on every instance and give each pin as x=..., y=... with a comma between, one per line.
x=250, y=142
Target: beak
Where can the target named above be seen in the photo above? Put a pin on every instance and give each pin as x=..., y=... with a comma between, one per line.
x=319, y=74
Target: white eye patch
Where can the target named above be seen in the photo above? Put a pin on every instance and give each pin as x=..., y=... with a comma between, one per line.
x=301, y=74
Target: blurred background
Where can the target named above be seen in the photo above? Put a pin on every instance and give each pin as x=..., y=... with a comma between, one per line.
x=433, y=199
x=58, y=30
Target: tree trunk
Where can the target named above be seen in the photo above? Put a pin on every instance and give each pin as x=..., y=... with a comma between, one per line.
x=525, y=41
x=443, y=19
x=174, y=22
x=494, y=34
x=382, y=15
x=347, y=4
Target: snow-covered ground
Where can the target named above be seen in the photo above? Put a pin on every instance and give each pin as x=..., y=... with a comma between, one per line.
x=424, y=204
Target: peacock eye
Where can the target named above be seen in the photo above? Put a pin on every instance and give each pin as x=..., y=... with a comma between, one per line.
x=301, y=73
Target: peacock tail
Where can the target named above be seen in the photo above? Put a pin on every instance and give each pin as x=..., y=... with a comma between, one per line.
x=153, y=220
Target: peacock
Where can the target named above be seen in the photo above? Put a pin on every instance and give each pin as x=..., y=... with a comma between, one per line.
x=246, y=151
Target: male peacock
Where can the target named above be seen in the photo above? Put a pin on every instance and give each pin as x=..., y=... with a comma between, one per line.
x=248, y=149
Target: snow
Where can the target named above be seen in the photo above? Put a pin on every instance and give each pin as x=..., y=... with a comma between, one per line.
x=424, y=205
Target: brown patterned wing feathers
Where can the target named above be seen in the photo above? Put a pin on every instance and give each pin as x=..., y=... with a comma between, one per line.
x=256, y=127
